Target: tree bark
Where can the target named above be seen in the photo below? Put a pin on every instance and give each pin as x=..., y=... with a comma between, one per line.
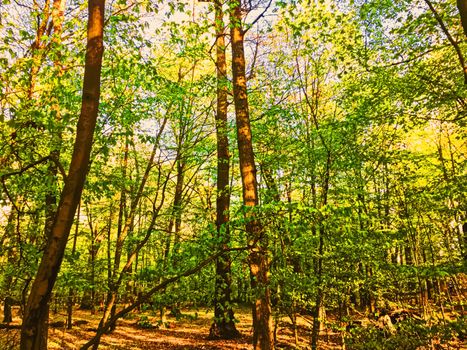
x=37, y=305
x=258, y=262
x=69, y=307
x=462, y=7
x=224, y=325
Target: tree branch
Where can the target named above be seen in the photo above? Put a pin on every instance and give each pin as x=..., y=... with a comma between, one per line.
x=250, y=25
x=27, y=167
x=450, y=38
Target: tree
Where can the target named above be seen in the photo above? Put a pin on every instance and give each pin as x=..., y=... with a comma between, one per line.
x=34, y=322
x=462, y=7
x=224, y=325
x=258, y=256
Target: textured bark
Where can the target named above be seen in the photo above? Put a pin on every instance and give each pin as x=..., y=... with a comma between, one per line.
x=258, y=262
x=462, y=6
x=224, y=325
x=69, y=323
x=37, y=305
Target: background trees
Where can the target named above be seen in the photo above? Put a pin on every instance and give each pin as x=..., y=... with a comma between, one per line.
x=357, y=113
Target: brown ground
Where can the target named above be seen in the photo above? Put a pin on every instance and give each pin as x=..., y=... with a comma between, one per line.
x=188, y=333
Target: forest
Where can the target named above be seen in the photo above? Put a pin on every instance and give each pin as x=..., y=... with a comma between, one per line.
x=233, y=174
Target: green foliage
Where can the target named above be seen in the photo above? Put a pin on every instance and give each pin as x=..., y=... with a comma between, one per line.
x=144, y=322
x=410, y=335
x=358, y=117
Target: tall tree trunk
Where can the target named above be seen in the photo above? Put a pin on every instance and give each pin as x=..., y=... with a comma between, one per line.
x=56, y=139
x=37, y=305
x=319, y=263
x=125, y=227
x=224, y=325
x=177, y=204
x=69, y=322
x=51, y=192
x=37, y=47
x=9, y=234
x=319, y=293
x=462, y=7
x=258, y=261
x=118, y=250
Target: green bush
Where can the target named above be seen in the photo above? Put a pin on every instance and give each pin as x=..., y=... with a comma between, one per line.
x=410, y=335
x=144, y=322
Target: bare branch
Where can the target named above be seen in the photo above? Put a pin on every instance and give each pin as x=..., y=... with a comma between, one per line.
x=258, y=18
x=27, y=167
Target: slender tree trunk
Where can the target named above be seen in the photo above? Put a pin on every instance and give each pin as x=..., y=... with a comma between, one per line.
x=93, y=253
x=96, y=239
x=71, y=293
x=9, y=233
x=319, y=294
x=258, y=261
x=124, y=231
x=319, y=263
x=103, y=323
x=37, y=305
x=121, y=212
x=462, y=6
x=37, y=47
x=118, y=249
x=56, y=139
x=224, y=325
x=177, y=204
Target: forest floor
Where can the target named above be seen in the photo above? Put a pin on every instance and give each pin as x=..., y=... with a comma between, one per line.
x=140, y=332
